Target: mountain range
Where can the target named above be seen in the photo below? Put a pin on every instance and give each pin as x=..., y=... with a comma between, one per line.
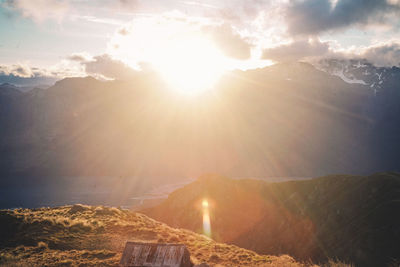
x=284, y=120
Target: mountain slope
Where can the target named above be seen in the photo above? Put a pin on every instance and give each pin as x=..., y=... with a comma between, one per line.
x=95, y=236
x=352, y=218
x=9, y=90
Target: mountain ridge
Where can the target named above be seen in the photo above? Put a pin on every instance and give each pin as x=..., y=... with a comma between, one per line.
x=351, y=218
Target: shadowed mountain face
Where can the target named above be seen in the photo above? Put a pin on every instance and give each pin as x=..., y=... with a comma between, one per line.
x=352, y=218
x=27, y=83
x=284, y=120
x=384, y=107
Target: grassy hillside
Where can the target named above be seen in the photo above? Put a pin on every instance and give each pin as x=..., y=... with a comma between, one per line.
x=353, y=218
x=95, y=236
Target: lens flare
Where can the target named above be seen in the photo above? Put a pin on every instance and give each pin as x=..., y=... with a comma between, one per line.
x=206, y=218
x=205, y=204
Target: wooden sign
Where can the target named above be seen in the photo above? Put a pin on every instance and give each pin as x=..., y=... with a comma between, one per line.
x=155, y=255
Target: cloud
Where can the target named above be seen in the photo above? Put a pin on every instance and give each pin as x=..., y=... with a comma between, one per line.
x=59, y=70
x=239, y=11
x=109, y=21
x=152, y=38
x=103, y=66
x=24, y=75
x=383, y=54
x=230, y=42
x=128, y=4
x=297, y=50
x=316, y=16
x=76, y=65
x=79, y=57
x=18, y=70
x=40, y=10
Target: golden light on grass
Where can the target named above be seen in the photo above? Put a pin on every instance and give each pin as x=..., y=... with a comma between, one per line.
x=206, y=218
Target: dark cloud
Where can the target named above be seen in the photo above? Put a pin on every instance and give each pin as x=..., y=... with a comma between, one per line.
x=296, y=50
x=315, y=16
x=230, y=42
x=107, y=67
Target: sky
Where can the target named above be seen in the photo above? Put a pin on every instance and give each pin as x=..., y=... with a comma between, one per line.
x=111, y=39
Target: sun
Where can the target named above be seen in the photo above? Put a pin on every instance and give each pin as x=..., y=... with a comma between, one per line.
x=190, y=65
x=189, y=60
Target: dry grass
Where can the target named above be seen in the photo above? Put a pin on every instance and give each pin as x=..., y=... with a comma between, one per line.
x=95, y=236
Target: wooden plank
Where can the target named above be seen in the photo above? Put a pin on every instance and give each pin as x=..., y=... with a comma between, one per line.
x=144, y=254
x=180, y=252
x=167, y=258
x=172, y=257
x=160, y=254
x=126, y=255
x=135, y=256
x=185, y=261
x=154, y=255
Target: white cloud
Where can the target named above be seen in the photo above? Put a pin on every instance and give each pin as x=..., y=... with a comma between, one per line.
x=94, y=19
x=146, y=39
x=19, y=70
x=297, y=50
x=80, y=57
x=76, y=65
x=105, y=67
x=382, y=54
x=229, y=41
